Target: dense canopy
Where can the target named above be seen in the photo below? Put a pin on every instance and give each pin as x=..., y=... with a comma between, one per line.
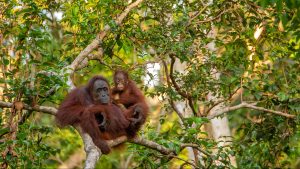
x=221, y=78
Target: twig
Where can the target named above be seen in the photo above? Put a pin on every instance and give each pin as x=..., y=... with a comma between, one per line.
x=251, y=106
x=223, y=100
x=128, y=161
x=197, y=14
x=195, y=146
x=183, y=94
x=176, y=110
x=187, y=162
x=50, y=91
x=136, y=65
x=215, y=18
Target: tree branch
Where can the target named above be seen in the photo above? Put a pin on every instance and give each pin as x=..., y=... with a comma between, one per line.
x=195, y=146
x=215, y=18
x=186, y=162
x=44, y=109
x=152, y=145
x=233, y=95
x=98, y=40
x=177, y=88
x=197, y=14
x=180, y=115
x=250, y=106
x=90, y=148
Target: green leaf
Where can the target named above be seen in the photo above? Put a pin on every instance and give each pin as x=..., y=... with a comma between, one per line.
x=192, y=131
x=279, y=5
x=258, y=95
x=282, y=96
x=5, y=61
x=284, y=19
x=4, y=130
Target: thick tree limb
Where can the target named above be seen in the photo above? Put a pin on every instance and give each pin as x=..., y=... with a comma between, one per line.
x=152, y=145
x=44, y=109
x=140, y=141
x=52, y=110
x=97, y=56
x=93, y=153
x=98, y=40
x=90, y=147
x=250, y=106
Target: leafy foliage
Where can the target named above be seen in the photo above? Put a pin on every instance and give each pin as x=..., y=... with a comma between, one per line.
x=220, y=48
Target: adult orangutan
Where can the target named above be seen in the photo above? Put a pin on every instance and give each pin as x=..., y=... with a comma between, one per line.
x=125, y=92
x=90, y=107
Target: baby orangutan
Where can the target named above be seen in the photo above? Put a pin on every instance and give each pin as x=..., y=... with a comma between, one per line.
x=126, y=93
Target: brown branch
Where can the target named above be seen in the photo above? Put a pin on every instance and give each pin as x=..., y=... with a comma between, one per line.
x=215, y=18
x=93, y=45
x=44, y=109
x=98, y=40
x=52, y=111
x=48, y=73
x=126, y=11
x=143, y=142
x=176, y=110
x=176, y=86
x=178, y=89
x=50, y=91
x=250, y=106
x=94, y=56
x=152, y=145
x=187, y=162
x=163, y=150
x=140, y=141
x=232, y=96
x=195, y=146
x=117, y=141
x=89, y=149
x=167, y=73
x=191, y=104
x=180, y=115
x=197, y=14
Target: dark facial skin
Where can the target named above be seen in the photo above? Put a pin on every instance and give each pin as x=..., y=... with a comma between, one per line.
x=101, y=92
x=120, y=81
